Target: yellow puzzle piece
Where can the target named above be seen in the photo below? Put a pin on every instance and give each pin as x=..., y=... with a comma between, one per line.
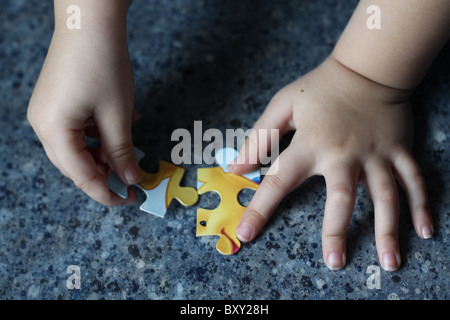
x=164, y=186
x=223, y=220
x=160, y=188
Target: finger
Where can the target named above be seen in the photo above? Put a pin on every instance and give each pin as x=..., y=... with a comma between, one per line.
x=289, y=170
x=266, y=133
x=91, y=127
x=78, y=164
x=341, y=180
x=384, y=194
x=52, y=157
x=114, y=125
x=412, y=181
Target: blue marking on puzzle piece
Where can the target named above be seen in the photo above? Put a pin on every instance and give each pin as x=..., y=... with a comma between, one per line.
x=226, y=155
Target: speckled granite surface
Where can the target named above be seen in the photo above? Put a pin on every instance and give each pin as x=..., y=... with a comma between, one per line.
x=220, y=62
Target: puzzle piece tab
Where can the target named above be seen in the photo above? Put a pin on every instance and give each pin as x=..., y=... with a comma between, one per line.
x=223, y=220
x=160, y=188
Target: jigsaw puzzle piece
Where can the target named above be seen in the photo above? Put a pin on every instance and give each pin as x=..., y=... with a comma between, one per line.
x=228, y=243
x=223, y=220
x=225, y=156
x=155, y=202
x=164, y=186
x=116, y=185
x=160, y=188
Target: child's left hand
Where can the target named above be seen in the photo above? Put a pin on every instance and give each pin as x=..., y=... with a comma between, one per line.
x=350, y=130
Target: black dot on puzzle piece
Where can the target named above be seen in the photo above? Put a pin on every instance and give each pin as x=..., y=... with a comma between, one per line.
x=244, y=196
x=203, y=223
x=210, y=200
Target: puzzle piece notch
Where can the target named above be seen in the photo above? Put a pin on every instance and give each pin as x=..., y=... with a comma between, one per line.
x=223, y=220
x=160, y=188
x=164, y=186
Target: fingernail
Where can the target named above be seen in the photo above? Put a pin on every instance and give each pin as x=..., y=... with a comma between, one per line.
x=335, y=261
x=427, y=232
x=245, y=232
x=132, y=174
x=391, y=261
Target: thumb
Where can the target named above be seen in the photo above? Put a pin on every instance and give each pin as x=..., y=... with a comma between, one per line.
x=117, y=144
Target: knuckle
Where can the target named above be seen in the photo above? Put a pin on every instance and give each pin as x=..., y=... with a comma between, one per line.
x=85, y=184
x=387, y=237
x=252, y=141
x=30, y=115
x=273, y=183
x=418, y=180
x=31, y=110
x=387, y=194
x=256, y=217
x=249, y=152
x=44, y=129
x=36, y=124
x=385, y=191
x=342, y=196
x=335, y=236
x=34, y=118
x=120, y=151
x=422, y=208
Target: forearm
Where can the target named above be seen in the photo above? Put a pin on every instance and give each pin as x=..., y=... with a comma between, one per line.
x=399, y=53
x=97, y=15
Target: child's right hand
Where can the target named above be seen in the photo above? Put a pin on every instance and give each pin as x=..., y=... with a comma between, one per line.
x=86, y=88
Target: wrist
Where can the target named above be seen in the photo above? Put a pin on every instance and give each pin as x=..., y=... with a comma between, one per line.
x=93, y=16
x=363, y=88
x=399, y=52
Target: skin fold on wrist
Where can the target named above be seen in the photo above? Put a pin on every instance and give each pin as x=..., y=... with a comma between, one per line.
x=359, y=86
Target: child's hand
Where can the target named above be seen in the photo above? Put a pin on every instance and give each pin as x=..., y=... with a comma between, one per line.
x=86, y=88
x=350, y=130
